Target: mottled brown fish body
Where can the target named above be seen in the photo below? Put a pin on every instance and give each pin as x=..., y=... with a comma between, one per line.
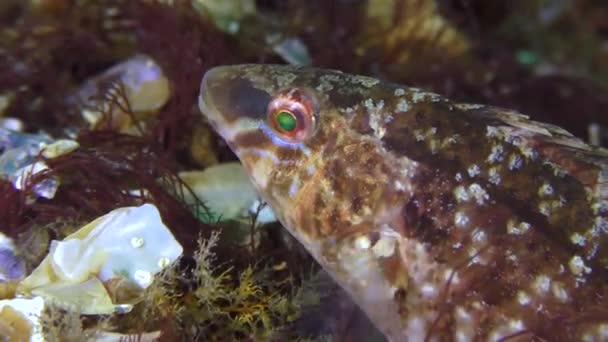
x=443, y=221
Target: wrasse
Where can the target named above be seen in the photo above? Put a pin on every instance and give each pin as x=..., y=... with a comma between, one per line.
x=443, y=221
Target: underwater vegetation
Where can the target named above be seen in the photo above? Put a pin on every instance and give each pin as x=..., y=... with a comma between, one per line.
x=238, y=278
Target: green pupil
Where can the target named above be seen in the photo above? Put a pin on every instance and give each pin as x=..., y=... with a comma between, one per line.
x=286, y=121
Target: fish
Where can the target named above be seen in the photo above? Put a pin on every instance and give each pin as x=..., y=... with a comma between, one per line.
x=441, y=220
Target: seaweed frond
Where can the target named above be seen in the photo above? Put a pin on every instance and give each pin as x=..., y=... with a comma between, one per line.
x=68, y=325
x=216, y=303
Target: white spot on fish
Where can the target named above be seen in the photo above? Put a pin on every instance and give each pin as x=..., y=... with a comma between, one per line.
x=577, y=239
x=496, y=155
x=577, y=266
x=541, y=284
x=375, y=117
x=285, y=79
x=399, y=92
x=458, y=177
x=523, y=298
x=370, y=106
x=511, y=256
x=418, y=96
x=403, y=106
x=546, y=190
x=419, y=135
x=517, y=229
x=492, y=132
x=461, y=219
x=544, y=208
x=473, y=170
x=478, y=193
x=600, y=207
x=480, y=237
x=461, y=194
x=375, y=125
x=528, y=152
x=600, y=225
x=515, y=162
x=324, y=87
x=365, y=81
x=494, y=176
x=559, y=291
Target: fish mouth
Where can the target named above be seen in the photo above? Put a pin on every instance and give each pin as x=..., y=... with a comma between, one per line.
x=205, y=100
x=231, y=102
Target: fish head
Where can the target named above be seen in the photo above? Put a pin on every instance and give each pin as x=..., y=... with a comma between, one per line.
x=288, y=125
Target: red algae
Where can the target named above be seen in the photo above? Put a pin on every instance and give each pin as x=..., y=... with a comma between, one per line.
x=12, y=208
x=185, y=46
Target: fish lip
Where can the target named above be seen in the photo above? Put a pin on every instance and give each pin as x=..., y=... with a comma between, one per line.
x=225, y=129
x=205, y=101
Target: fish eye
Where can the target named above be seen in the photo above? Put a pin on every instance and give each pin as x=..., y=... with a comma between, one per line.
x=286, y=121
x=292, y=115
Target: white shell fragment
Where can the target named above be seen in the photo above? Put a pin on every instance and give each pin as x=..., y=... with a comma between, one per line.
x=146, y=88
x=13, y=124
x=226, y=14
x=264, y=212
x=59, y=148
x=128, y=244
x=226, y=190
x=292, y=50
x=47, y=188
x=18, y=161
x=5, y=101
x=19, y=149
x=20, y=319
x=11, y=266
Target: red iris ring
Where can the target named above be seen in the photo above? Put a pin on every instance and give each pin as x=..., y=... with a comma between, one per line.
x=298, y=103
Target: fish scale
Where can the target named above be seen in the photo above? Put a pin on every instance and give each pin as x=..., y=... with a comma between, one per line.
x=443, y=221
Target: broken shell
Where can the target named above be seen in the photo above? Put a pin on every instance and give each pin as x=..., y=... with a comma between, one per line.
x=11, y=266
x=102, y=252
x=5, y=101
x=292, y=50
x=226, y=14
x=13, y=124
x=146, y=90
x=18, y=161
x=87, y=298
x=20, y=319
x=225, y=189
x=59, y=148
